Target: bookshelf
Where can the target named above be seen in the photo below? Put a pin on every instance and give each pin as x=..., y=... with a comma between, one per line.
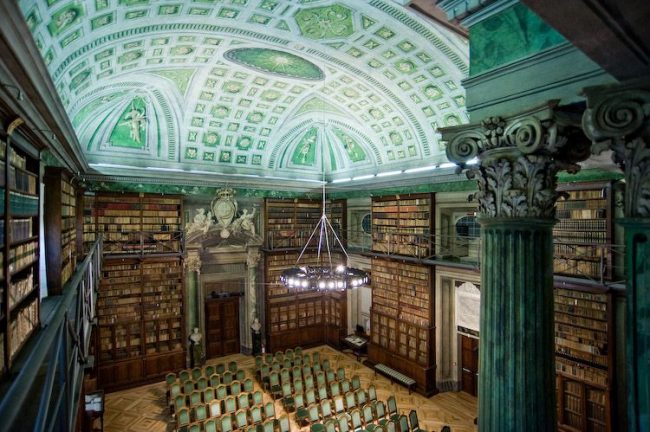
x=60, y=228
x=289, y=223
x=140, y=319
x=403, y=225
x=584, y=358
x=135, y=224
x=584, y=230
x=19, y=279
x=402, y=320
x=89, y=222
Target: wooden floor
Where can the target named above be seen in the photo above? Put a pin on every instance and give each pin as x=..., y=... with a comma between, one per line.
x=144, y=408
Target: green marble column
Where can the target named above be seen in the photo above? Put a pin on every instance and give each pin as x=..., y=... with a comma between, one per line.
x=617, y=119
x=191, y=284
x=517, y=376
x=637, y=256
x=515, y=163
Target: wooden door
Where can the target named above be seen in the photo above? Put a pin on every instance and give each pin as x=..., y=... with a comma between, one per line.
x=469, y=365
x=222, y=326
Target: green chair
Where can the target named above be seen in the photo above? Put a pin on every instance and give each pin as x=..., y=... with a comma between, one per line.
x=232, y=366
x=226, y=423
x=297, y=360
x=361, y=397
x=285, y=376
x=340, y=374
x=194, y=427
x=230, y=405
x=269, y=410
x=350, y=401
x=196, y=373
x=316, y=367
x=335, y=389
x=235, y=388
x=255, y=414
x=210, y=425
x=330, y=425
x=215, y=380
x=287, y=397
x=298, y=387
x=330, y=376
x=309, y=382
x=268, y=358
x=188, y=387
x=240, y=375
x=208, y=371
x=306, y=360
x=403, y=424
x=322, y=393
x=174, y=390
x=208, y=395
x=372, y=392
x=320, y=378
x=368, y=416
x=274, y=386
x=259, y=361
x=178, y=403
x=287, y=364
x=306, y=370
x=326, y=408
x=268, y=426
x=342, y=421
x=298, y=400
x=288, y=353
x=317, y=427
x=276, y=366
x=227, y=377
x=220, y=368
x=182, y=417
x=345, y=386
x=355, y=419
x=392, y=408
x=200, y=413
x=184, y=375
x=257, y=398
x=196, y=398
x=315, y=357
x=241, y=419
x=170, y=378
x=356, y=382
x=283, y=423
x=214, y=408
x=302, y=415
x=297, y=351
x=390, y=426
x=310, y=396
x=415, y=423
x=445, y=428
x=263, y=374
x=222, y=391
x=242, y=401
x=314, y=415
x=339, y=405
x=326, y=365
x=380, y=410
x=202, y=383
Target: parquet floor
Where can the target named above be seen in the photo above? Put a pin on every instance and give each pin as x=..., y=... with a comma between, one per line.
x=144, y=408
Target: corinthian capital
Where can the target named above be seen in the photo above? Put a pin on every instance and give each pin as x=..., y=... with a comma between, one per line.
x=518, y=159
x=618, y=119
x=193, y=262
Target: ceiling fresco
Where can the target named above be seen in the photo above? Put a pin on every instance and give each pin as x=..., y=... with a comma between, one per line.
x=284, y=87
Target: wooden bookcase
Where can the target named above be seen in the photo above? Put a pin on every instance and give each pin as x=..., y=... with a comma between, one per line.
x=60, y=228
x=403, y=225
x=141, y=329
x=402, y=332
x=276, y=262
x=584, y=359
x=135, y=224
x=584, y=231
x=289, y=223
x=89, y=222
x=19, y=284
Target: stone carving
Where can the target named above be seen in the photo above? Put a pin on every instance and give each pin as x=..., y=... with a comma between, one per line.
x=618, y=118
x=202, y=222
x=193, y=262
x=519, y=158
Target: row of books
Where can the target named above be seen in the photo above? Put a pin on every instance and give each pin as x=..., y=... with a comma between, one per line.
x=21, y=181
x=118, y=215
x=21, y=204
x=68, y=239
x=582, y=214
x=587, y=252
x=580, y=225
x=19, y=289
x=581, y=371
x=22, y=256
x=586, y=204
x=581, y=267
x=587, y=194
x=21, y=229
x=23, y=326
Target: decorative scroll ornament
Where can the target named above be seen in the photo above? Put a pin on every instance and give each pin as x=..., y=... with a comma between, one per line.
x=519, y=158
x=618, y=118
x=193, y=262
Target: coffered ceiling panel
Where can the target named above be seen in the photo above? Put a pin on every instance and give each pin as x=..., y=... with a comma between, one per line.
x=256, y=87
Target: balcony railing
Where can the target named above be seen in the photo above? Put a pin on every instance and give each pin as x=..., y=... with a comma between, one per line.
x=44, y=385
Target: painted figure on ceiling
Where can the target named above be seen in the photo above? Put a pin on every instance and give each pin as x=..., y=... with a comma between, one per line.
x=135, y=119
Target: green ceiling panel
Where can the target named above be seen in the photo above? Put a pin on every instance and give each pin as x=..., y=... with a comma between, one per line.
x=278, y=87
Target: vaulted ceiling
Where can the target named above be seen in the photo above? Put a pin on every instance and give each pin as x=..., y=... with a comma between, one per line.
x=284, y=88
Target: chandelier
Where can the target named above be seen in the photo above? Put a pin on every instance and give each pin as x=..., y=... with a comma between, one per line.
x=324, y=277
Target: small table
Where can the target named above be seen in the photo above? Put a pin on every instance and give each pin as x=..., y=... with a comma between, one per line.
x=94, y=408
x=357, y=344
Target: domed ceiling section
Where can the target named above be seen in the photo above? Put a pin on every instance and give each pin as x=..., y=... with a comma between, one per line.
x=286, y=88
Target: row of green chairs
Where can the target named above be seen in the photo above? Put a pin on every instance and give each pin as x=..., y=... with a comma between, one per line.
x=227, y=423
x=280, y=356
x=229, y=404
x=205, y=371
x=255, y=414
x=297, y=362
x=208, y=392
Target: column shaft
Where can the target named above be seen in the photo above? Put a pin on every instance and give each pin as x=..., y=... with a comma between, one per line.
x=517, y=374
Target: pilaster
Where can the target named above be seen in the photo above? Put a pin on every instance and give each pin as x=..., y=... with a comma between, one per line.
x=515, y=161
